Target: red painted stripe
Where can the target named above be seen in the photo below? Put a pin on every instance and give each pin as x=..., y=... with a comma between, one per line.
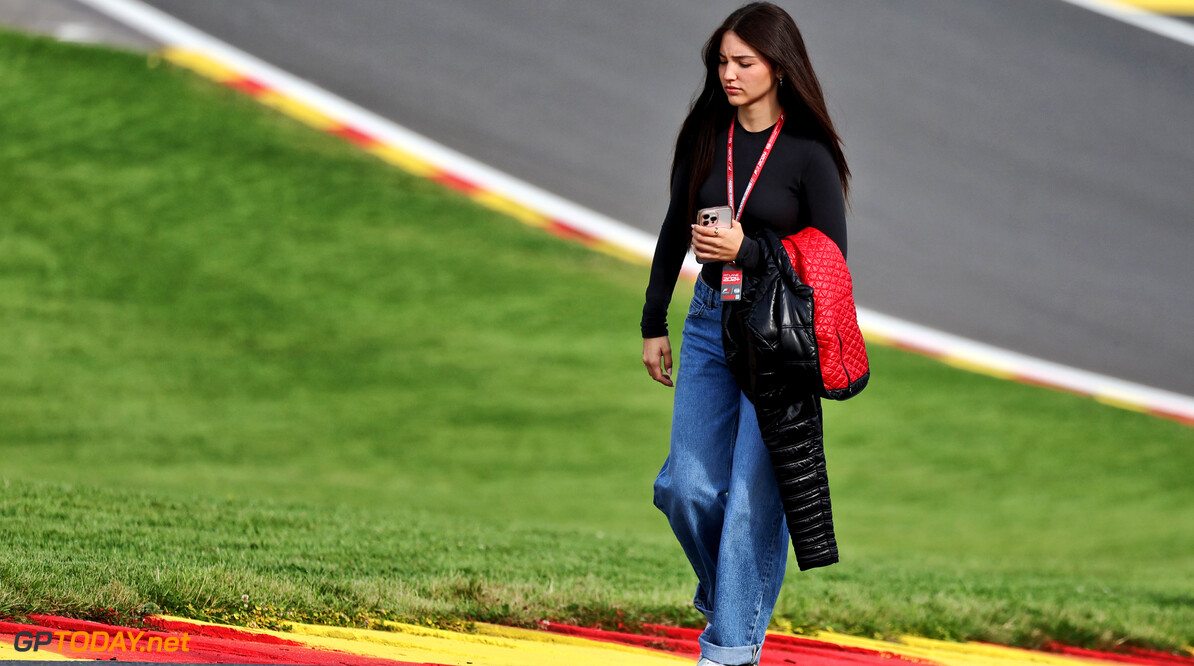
x=247, y=86
x=569, y=232
x=201, y=648
x=218, y=631
x=455, y=182
x=788, y=643
x=1173, y=416
x=355, y=136
x=563, y=230
x=1032, y=381
x=778, y=650
x=1132, y=656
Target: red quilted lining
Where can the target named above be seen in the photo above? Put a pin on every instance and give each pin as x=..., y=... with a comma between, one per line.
x=840, y=348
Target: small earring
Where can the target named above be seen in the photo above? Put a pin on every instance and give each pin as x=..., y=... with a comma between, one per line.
x=781, y=82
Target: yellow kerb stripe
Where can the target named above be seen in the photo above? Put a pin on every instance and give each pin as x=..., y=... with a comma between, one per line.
x=877, y=338
x=213, y=70
x=620, y=253
x=404, y=161
x=976, y=366
x=514, y=210
x=484, y=629
x=297, y=110
x=490, y=646
x=993, y=654
x=9, y=653
x=458, y=649
x=495, y=645
x=1183, y=7
x=953, y=654
x=200, y=63
x=1122, y=404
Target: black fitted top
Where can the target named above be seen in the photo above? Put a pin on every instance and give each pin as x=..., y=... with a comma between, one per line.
x=797, y=188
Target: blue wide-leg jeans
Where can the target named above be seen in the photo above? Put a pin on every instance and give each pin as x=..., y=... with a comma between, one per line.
x=719, y=494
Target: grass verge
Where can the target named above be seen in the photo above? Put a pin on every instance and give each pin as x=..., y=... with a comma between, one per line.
x=242, y=358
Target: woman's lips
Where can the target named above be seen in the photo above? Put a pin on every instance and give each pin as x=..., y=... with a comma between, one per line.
x=730, y=90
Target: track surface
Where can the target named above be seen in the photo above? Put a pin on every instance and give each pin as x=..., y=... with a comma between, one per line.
x=1022, y=169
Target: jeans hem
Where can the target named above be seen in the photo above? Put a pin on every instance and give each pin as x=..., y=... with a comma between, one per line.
x=731, y=656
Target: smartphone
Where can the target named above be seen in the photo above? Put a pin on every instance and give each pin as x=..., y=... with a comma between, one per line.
x=718, y=216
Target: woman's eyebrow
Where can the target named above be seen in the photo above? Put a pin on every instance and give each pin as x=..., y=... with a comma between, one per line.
x=742, y=56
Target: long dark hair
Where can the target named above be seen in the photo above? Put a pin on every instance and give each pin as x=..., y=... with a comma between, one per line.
x=771, y=32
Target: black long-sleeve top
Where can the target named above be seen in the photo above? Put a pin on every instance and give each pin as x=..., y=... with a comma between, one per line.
x=797, y=188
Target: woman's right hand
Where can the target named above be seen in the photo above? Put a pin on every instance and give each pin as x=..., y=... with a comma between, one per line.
x=657, y=356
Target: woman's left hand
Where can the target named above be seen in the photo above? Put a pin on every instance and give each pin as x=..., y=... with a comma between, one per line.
x=714, y=244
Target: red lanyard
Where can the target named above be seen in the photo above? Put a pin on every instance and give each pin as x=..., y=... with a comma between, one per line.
x=758, y=167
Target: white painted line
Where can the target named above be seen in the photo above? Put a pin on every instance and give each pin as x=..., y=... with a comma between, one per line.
x=1155, y=23
x=173, y=32
x=1002, y=360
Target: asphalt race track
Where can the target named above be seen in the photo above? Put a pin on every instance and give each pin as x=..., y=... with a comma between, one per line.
x=1024, y=170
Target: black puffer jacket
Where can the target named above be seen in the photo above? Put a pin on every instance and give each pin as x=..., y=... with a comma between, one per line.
x=770, y=346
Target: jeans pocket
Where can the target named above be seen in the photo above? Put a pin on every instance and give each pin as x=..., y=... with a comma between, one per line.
x=696, y=308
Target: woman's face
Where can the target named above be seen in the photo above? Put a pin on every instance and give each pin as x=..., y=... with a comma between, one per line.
x=746, y=77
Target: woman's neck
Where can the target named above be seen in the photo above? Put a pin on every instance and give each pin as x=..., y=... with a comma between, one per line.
x=760, y=114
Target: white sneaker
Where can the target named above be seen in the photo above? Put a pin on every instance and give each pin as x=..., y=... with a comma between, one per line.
x=708, y=662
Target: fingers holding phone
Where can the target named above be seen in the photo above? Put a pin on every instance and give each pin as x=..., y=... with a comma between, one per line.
x=716, y=236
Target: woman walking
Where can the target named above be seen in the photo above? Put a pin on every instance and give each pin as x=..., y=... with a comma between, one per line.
x=758, y=139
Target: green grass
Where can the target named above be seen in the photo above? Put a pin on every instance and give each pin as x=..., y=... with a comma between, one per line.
x=241, y=357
